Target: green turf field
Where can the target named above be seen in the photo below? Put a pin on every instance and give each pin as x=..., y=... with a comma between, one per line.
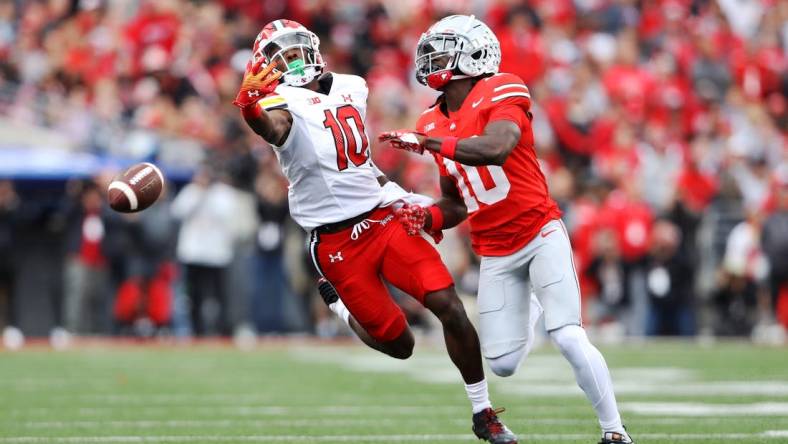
x=668, y=392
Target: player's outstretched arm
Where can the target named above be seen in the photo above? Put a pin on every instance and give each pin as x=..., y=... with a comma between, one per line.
x=273, y=126
x=491, y=148
x=258, y=82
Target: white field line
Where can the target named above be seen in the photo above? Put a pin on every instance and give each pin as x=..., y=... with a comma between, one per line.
x=551, y=376
x=705, y=389
x=227, y=399
x=663, y=409
x=696, y=409
x=256, y=412
x=360, y=422
x=223, y=423
x=767, y=435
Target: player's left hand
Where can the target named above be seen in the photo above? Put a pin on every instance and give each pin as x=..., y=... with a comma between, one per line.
x=257, y=83
x=414, y=219
x=405, y=140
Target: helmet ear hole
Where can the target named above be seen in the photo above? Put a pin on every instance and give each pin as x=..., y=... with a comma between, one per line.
x=477, y=55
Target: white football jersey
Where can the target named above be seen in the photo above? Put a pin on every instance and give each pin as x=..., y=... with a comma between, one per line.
x=326, y=156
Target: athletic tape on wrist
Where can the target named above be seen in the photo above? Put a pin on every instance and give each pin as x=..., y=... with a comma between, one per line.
x=449, y=146
x=437, y=218
x=251, y=112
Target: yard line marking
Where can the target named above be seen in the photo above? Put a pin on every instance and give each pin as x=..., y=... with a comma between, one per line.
x=333, y=410
x=706, y=409
x=218, y=423
x=249, y=438
x=212, y=412
x=170, y=399
x=769, y=434
x=360, y=422
x=663, y=409
x=707, y=389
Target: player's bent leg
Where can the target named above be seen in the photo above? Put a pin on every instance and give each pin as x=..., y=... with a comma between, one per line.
x=400, y=347
x=462, y=344
x=505, y=308
x=555, y=283
x=508, y=363
x=411, y=264
x=592, y=376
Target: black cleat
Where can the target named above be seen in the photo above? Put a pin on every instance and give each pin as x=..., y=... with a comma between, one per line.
x=616, y=438
x=327, y=291
x=488, y=427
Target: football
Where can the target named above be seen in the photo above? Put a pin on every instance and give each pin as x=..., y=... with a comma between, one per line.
x=136, y=189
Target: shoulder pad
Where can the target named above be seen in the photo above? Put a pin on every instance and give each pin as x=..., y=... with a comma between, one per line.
x=350, y=81
x=508, y=88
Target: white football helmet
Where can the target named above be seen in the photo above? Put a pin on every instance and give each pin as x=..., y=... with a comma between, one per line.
x=465, y=43
x=279, y=37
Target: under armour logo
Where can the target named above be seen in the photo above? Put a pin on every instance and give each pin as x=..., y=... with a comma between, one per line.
x=347, y=98
x=452, y=126
x=337, y=258
x=253, y=93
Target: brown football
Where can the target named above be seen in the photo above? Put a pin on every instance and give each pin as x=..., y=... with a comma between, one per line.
x=136, y=189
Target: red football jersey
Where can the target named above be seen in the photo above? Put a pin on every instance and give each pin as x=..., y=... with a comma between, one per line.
x=507, y=205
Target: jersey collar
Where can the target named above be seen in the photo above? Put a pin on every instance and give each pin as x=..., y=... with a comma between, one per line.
x=324, y=83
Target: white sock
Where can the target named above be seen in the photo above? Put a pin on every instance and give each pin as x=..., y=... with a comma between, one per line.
x=479, y=396
x=339, y=308
x=591, y=373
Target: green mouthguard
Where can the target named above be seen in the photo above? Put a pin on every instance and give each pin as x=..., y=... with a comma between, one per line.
x=297, y=66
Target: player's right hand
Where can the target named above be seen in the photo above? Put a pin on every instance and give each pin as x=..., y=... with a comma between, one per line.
x=405, y=140
x=257, y=83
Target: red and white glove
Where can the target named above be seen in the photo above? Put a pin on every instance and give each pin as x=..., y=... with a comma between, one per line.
x=413, y=218
x=257, y=83
x=405, y=140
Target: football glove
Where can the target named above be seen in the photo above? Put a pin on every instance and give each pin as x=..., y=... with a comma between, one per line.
x=413, y=218
x=257, y=83
x=405, y=140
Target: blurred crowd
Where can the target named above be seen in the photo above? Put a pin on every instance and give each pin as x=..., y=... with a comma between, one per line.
x=662, y=126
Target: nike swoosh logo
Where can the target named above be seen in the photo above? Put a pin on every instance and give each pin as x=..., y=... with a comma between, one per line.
x=547, y=233
x=475, y=104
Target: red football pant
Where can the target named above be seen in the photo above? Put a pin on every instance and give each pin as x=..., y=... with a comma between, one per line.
x=381, y=249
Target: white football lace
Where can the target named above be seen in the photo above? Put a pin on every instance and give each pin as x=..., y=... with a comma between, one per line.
x=361, y=226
